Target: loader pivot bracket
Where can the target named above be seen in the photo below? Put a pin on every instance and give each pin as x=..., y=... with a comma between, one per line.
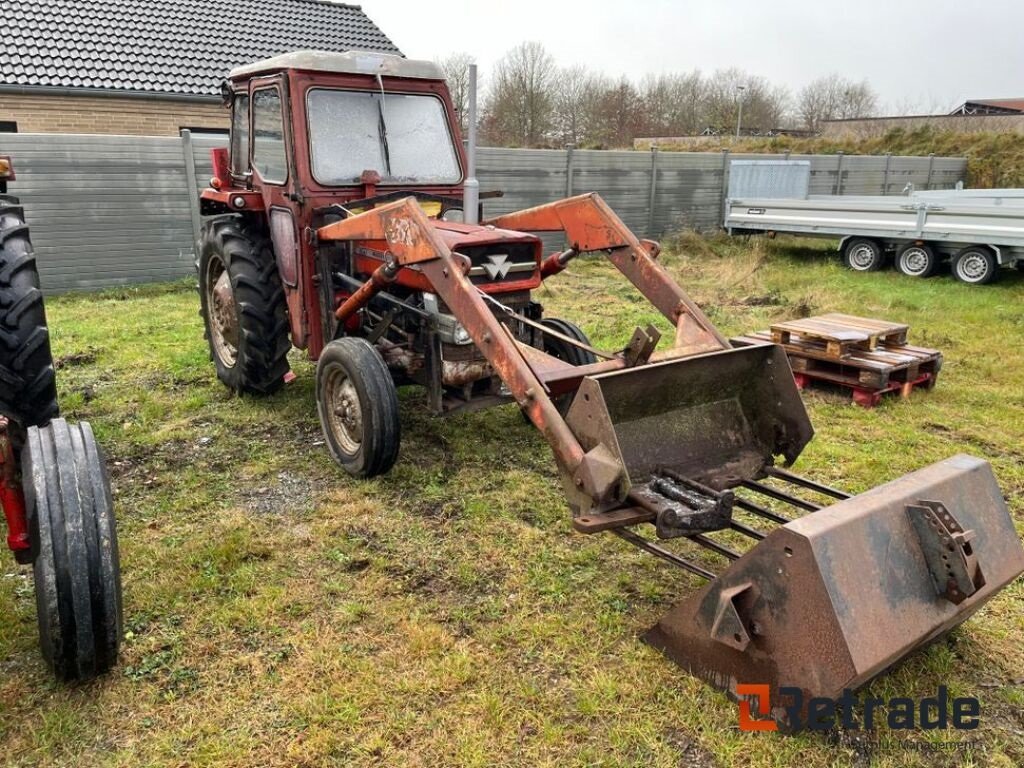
x=641, y=346
x=682, y=507
x=947, y=550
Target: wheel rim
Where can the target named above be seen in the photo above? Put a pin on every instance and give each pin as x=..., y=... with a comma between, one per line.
x=914, y=261
x=971, y=267
x=862, y=257
x=344, y=414
x=223, y=312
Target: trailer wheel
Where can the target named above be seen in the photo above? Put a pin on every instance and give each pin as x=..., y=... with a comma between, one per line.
x=243, y=306
x=358, y=407
x=76, y=569
x=917, y=261
x=863, y=255
x=28, y=392
x=975, y=265
x=565, y=351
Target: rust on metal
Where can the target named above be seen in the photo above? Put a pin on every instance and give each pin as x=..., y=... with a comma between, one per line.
x=843, y=593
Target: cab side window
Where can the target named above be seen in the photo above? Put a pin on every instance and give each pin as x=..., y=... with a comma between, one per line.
x=268, y=155
x=240, y=135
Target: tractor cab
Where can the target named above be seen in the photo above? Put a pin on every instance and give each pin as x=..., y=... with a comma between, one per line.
x=339, y=127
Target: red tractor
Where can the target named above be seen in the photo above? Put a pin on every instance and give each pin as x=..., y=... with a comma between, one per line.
x=339, y=225
x=54, y=489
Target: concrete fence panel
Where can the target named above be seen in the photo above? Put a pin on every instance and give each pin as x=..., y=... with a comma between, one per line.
x=115, y=210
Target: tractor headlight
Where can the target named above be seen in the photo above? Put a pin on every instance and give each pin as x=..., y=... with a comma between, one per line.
x=453, y=214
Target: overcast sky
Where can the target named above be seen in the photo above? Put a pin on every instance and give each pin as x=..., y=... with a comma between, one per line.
x=921, y=53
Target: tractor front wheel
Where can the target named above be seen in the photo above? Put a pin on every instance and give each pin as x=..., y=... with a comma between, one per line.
x=358, y=407
x=74, y=543
x=243, y=306
x=565, y=351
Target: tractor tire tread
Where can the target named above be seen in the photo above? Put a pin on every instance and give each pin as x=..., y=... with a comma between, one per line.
x=26, y=362
x=259, y=296
x=76, y=566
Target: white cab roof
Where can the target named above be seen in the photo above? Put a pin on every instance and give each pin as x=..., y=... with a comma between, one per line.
x=350, y=62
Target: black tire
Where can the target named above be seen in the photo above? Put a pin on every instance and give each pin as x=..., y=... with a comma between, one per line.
x=74, y=542
x=975, y=265
x=251, y=356
x=358, y=407
x=566, y=351
x=863, y=255
x=917, y=260
x=28, y=390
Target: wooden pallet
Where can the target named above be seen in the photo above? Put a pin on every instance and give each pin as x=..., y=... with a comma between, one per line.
x=868, y=373
x=842, y=335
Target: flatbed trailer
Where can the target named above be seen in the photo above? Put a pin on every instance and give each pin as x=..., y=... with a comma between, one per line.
x=977, y=231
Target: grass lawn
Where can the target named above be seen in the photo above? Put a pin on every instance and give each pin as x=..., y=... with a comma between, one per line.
x=279, y=613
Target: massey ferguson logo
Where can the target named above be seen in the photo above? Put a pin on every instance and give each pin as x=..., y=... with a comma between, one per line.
x=498, y=266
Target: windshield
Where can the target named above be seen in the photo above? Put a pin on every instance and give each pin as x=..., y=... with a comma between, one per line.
x=404, y=138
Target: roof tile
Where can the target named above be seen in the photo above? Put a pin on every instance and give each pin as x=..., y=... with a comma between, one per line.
x=196, y=42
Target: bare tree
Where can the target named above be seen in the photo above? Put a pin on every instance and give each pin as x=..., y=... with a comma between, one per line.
x=835, y=98
x=618, y=114
x=519, y=107
x=764, y=105
x=456, y=72
x=574, y=92
x=672, y=104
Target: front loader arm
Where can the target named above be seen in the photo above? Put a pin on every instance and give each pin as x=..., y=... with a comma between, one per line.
x=590, y=224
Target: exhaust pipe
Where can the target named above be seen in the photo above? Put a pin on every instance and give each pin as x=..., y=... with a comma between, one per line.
x=471, y=195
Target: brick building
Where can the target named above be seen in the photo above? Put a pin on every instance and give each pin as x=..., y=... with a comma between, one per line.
x=152, y=67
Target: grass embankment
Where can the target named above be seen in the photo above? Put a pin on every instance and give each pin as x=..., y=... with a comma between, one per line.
x=279, y=613
x=994, y=160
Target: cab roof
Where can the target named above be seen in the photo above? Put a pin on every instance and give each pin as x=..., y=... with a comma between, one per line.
x=349, y=62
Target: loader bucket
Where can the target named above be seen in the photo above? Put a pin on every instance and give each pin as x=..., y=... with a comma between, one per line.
x=828, y=601
x=717, y=418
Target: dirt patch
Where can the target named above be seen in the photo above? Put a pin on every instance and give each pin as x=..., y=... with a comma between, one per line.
x=287, y=494
x=770, y=299
x=690, y=752
x=85, y=357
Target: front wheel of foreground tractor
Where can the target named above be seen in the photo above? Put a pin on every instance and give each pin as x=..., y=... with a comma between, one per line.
x=71, y=522
x=243, y=306
x=975, y=265
x=358, y=407
x=28, y=392
x=863, y=255
x=565, y=351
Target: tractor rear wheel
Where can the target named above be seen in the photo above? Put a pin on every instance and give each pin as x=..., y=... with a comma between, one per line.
x=74, y=543
x=358, y=407
x=565, y=351
x=243, y=306
x=28, y=392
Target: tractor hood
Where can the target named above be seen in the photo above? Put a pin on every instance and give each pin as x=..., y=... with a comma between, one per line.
x=457, y=235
